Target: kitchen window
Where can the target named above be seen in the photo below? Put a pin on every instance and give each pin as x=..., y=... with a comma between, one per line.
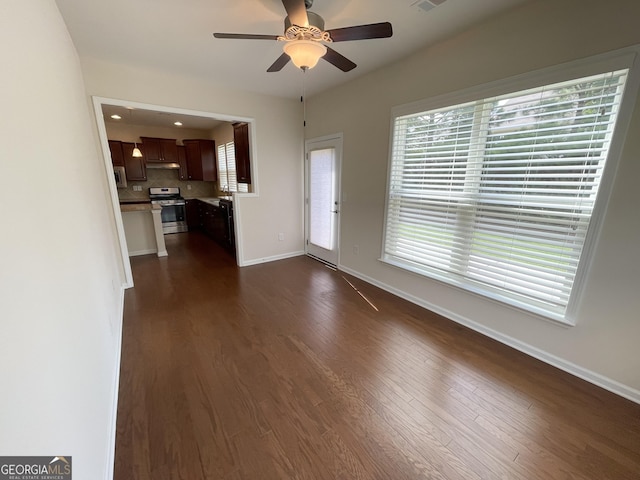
x=496, y=195
x=227, y=178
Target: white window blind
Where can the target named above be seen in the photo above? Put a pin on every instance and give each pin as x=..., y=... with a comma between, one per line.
x=496, y=195
x=227, y=177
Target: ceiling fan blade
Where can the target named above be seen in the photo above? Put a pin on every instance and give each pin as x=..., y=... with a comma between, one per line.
x=244, y=36
x=297, y=12
x=279, y=63
x=340, y=61
x=361, y=32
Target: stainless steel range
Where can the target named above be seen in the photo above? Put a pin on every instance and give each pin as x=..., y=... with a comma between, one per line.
x=174, y=217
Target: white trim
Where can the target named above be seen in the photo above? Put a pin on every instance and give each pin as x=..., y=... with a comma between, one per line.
x=253, y=164
x=147, y=251
x=111, y=446
x=618, y=142
x=272, y=258
x=113, y=191
x=548, y=358
x=237, y=220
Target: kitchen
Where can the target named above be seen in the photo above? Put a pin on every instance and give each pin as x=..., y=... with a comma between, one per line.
x=176, y=173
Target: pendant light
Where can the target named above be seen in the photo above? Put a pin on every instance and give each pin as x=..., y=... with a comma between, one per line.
x=136, y=151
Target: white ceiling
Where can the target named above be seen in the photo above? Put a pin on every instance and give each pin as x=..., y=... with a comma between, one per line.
x=152, y=118
x=176, y=35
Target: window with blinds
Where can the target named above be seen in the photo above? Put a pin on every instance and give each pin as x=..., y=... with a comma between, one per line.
x=227, y=177
x=496, y=195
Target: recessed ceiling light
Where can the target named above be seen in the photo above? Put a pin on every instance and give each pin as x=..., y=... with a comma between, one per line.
x=116, y=117
x=177, y=124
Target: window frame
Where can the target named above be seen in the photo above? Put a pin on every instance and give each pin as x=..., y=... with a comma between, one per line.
x=626, y=58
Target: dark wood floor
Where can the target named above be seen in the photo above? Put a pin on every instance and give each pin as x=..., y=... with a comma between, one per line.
x=282, y=371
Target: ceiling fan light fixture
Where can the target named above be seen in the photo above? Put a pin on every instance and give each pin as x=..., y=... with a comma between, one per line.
x=305, y=53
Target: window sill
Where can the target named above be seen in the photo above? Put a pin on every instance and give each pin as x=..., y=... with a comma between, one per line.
x=484, y=293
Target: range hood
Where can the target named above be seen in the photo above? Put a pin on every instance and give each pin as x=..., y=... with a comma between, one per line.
x=163, y=165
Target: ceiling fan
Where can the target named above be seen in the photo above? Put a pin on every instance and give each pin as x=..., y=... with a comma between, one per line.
x=305, y=38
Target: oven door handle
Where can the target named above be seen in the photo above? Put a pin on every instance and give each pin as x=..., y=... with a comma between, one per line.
x=178, y=204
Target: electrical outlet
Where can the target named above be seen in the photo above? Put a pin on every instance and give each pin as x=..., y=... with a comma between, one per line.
x=188, y=187
x=356, y=249
x=281, y=236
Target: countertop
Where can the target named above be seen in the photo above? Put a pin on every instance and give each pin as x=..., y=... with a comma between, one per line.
x=141, y=204
x=138, y=207
x=215, y=201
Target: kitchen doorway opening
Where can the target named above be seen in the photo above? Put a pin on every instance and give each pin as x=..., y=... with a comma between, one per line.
x=101, y=107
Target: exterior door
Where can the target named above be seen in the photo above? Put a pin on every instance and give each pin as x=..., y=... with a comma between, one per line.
x=322, y=213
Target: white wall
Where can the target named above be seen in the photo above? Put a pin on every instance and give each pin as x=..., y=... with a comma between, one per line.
x=278, y=148
x=140, y=232
x=223, y=133
x=60, y=277
x=603, y=345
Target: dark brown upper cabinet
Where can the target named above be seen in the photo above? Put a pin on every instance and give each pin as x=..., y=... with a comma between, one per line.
x=201, y=159
x=117, y=158
x=134, y=166
x=183, y=173
x=243, y=159
x=160, y=150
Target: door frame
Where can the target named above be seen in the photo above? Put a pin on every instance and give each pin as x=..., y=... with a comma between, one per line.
x=336, y=140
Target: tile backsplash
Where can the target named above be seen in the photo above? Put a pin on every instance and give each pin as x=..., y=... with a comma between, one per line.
x=167, y=178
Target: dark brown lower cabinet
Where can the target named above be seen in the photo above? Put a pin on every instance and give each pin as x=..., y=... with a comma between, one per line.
x=194, y=222
x=215, y=221
x=209, y=219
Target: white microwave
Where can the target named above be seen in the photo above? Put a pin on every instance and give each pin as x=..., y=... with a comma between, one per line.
x=121, y=178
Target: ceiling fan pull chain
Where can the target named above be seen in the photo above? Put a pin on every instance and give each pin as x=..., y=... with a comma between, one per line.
x=303, y=98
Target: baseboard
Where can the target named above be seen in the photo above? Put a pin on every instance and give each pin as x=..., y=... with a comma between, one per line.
x=569, y=367
x=111, y=452
x=148, y=251
x=273, y=258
